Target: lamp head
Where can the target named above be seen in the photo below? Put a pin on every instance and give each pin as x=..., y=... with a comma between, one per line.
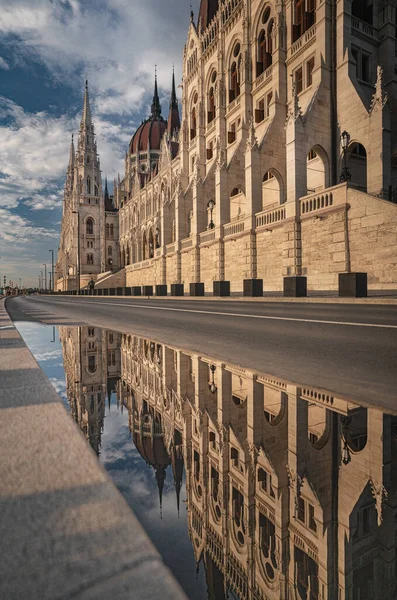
x=345, y=139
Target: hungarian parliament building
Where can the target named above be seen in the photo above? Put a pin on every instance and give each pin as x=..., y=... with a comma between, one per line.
x=279, y=163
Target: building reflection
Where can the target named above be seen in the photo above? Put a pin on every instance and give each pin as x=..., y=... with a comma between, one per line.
x=290, y=490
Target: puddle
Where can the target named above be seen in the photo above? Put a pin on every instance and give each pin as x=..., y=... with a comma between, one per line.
x=248, y=485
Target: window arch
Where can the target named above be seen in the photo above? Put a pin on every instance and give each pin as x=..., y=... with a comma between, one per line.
x=211, y=104
x=91, y=363
x=89, y=226
x=235, y=73
x=265, y=43
x=193, y=123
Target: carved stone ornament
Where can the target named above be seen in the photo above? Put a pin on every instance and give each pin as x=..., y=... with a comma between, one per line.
x=379, y=98
x=252, y=142
x=223, y=436
x=254, y=453
x=220, y=156
x=379, y=493
x=295, y=484
x=294, y=111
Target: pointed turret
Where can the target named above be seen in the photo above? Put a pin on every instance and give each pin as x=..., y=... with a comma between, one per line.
x=71, y=155
x=160, y=478
x=156, y=106
x=86, y=120
x=174, y=122
x=106, y=190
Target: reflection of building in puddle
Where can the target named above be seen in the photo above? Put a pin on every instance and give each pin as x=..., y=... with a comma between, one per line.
x=290, y=490
x=92, y=367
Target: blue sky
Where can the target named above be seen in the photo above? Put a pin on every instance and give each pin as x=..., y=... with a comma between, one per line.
x=47, y=49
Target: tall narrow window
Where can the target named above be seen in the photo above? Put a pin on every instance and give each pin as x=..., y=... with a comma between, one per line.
x=309, y=72
x=234, y=74
x=110, y=250
x=299, y=80
x=88, y=185
x=90, y=226
x=111, y=230
x=211, y=105
x=193, y=123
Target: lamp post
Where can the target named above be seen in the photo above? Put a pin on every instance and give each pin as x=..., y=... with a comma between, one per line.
x=76, y=212
x=212, y=384
x=45, y=277
x=211, y=205
x=41, y=280
x=52, y=270
x=346, y=457
x=345, y=175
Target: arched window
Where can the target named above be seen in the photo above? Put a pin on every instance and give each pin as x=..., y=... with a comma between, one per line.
x=110, y=250
x=193, y=123
x=91, y=363
x=89, y=226
x=90, y=259
x=107, y=230
x=144, y=247
x=211, y=105
x=234, y=82
x=96, y=190
x=88, y=185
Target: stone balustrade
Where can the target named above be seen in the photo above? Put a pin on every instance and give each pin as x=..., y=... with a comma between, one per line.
x=268, y=217
x=170, y=248
x=336, y=195
x=233, y=228
x=266, y=76
x=308, y=36
x=207, y=236
x=186, y=243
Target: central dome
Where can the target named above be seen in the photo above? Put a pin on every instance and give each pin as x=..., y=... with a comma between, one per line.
x=148, y=136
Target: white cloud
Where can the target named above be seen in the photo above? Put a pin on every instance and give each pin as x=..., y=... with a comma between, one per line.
x=16, y=229
x=4, y=64
x=116, y=42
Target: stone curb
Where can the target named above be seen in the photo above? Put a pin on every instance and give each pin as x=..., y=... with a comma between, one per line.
x=65, y=530
x=270, y=299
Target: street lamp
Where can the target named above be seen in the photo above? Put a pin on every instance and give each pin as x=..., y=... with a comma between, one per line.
x=45, y=277
x=212, y=384
x=346, y=457
x=52, y=270
x=345, y=140
x=211, y=205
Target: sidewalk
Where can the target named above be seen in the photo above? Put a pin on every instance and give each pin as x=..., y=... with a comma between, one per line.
x=65, y=530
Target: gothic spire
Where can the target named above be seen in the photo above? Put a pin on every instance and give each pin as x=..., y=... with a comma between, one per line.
x=156, y=106
x=86, y=118
x=106, y=189
x=160, y=478
x=173, y=99
x=174, y=122
x=71, y=155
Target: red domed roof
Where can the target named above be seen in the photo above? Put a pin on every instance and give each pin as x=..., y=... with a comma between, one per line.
x=148, y=135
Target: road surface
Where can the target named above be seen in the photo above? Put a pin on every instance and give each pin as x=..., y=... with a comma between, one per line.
x=350, y=350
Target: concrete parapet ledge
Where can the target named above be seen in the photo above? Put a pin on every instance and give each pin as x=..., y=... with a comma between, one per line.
x=65, y=530
x=385, y=300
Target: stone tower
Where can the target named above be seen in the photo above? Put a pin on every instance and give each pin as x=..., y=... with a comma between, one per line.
x=81, y=255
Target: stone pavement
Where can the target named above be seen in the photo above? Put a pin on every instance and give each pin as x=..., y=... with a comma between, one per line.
x=65, y=530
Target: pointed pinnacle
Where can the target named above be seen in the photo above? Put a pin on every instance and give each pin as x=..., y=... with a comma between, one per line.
x=86, y=118
x=156, y=107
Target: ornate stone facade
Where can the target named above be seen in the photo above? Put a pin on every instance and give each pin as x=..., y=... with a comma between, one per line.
x=248, y=185
x=89, y=233
x=268, y=88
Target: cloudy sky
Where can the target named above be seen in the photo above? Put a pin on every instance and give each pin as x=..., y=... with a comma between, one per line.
x=47, y=48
